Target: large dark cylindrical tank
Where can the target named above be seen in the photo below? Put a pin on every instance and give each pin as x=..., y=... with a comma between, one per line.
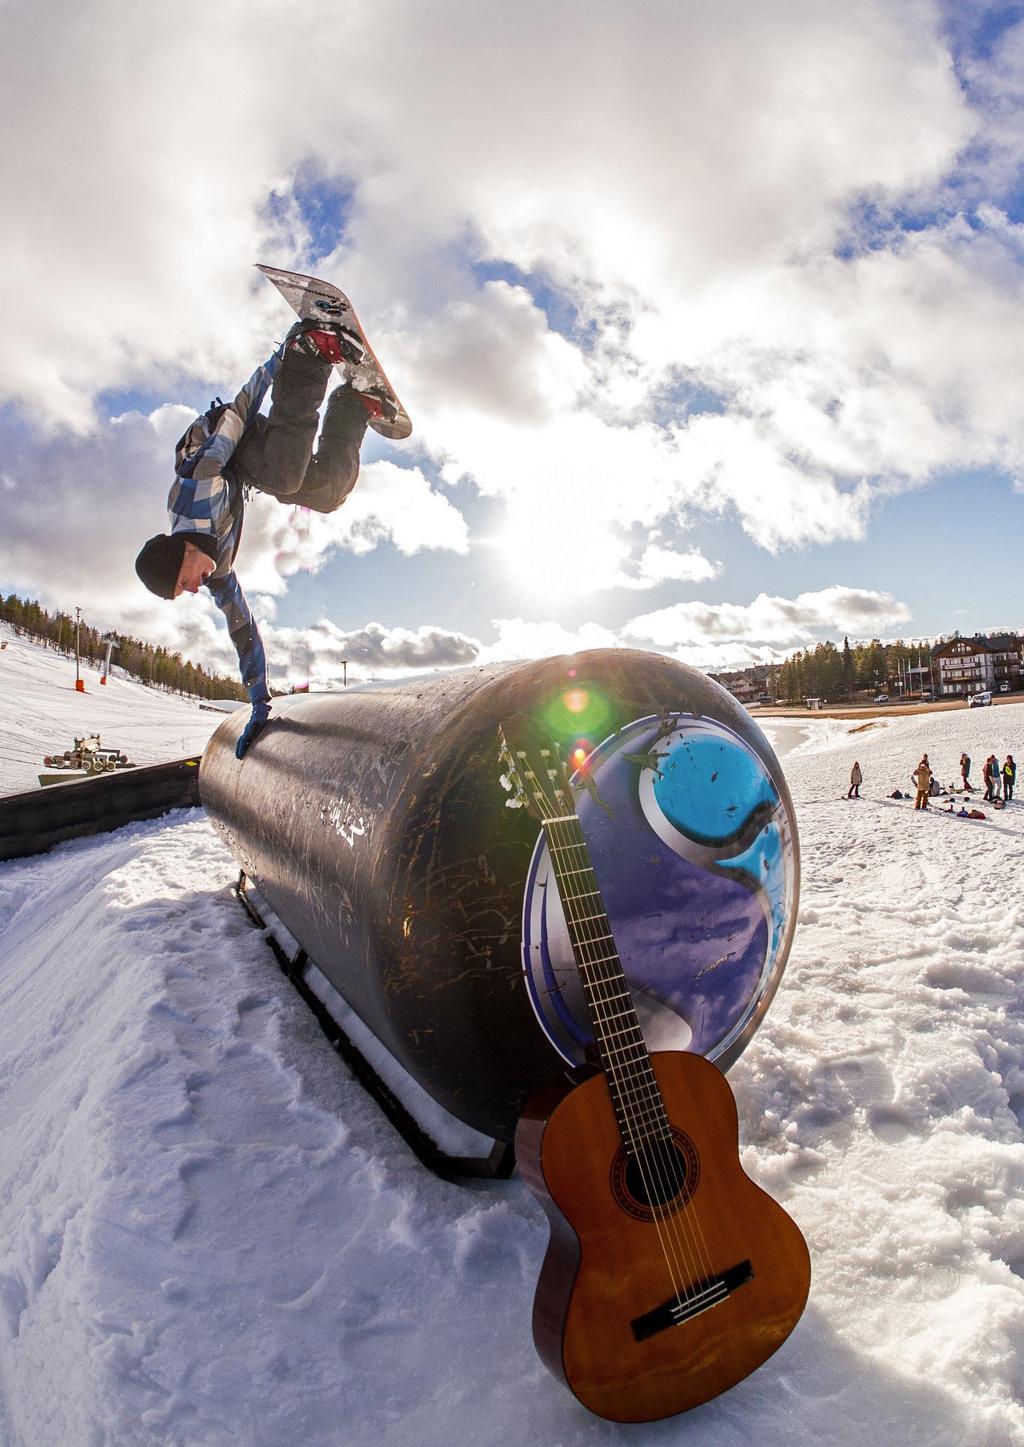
x=375, y=824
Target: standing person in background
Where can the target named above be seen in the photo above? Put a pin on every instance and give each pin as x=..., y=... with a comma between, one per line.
x=1009, y=777
x=856, y=779
x=990, y=773
x=923, y=779
x=965, y=770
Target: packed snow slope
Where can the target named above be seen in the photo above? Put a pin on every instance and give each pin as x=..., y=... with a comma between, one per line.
x=41, y=712
x=210, y=1236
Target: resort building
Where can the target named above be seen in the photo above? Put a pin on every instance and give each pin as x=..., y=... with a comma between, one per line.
x=974, y=665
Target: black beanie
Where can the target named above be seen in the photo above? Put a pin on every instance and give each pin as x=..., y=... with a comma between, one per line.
x=159, y=561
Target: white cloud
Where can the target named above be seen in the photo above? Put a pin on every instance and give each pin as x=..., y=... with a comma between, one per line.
x=770, y=622
x=492, y=353
x=389, y=504
x=318, y=652
x=312, y=654
x=714, y=636
x=660, y=565
x=518, y=638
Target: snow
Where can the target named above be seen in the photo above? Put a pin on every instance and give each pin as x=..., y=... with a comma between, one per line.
x=41, y=712
x=210, y=1235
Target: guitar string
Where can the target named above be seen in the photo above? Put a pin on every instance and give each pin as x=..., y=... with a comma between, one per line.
x=654, y=1154
x=642, y=1098
x=678, y=1263
x=675, y=1248
x=647, y=1096
x=661, y=1153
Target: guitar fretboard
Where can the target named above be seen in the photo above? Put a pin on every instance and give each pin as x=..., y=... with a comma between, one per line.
x=638, y=1103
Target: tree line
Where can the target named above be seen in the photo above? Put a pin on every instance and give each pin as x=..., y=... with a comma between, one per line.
x=150, y=664
x=832, y=673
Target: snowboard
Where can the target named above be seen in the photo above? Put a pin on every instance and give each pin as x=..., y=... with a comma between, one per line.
x=310, y=297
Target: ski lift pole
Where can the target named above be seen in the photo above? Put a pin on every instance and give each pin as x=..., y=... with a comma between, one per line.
x=79, y=684
x=111, y=641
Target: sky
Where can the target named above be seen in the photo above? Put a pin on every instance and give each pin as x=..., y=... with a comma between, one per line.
x=708, y=318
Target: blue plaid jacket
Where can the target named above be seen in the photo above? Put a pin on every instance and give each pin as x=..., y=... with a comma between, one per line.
x=206, y=497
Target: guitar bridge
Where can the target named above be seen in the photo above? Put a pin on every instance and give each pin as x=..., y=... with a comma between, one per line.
x=702, y=1297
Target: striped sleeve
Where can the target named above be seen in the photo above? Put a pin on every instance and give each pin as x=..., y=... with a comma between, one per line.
x=252, y=658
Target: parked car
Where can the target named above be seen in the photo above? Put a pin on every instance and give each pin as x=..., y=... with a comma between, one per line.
x=979, y=700
x=1004, y=688
x=927, y=698
x=881, y=698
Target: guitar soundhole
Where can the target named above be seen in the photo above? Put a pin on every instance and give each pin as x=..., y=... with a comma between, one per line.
x=661, y=1177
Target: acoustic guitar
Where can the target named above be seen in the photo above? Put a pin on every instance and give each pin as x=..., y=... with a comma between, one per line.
x=669, y=1275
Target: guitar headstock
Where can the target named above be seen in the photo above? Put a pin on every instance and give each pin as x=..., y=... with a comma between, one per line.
x=540, y=785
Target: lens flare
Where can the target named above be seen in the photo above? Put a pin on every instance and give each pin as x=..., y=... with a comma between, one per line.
x=578, y=713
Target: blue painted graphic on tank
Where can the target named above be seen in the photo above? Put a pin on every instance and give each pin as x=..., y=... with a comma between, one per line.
x=709, y=787
x=696, y=866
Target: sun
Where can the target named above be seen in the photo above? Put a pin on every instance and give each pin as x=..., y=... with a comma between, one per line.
x=560, y=553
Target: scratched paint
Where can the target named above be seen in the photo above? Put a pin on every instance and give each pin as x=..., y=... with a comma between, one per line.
x=347, y=822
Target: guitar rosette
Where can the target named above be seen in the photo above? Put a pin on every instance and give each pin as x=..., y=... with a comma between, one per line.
x=696, y=856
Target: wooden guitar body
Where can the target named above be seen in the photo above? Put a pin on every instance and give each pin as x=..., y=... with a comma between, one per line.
x=642, y=1317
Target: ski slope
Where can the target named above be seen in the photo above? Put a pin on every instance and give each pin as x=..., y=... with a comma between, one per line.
x=210, y=1236
x=41, y=712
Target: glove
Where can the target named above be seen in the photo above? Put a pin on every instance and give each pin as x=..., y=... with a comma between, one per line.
x=257, y=723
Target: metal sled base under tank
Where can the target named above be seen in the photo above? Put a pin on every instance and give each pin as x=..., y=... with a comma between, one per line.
x=497, y=1162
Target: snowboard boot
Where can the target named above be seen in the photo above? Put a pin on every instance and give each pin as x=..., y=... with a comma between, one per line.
x=329, y=340
x=375, y=402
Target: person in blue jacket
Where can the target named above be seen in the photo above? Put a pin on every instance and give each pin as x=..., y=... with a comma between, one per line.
x=232, y=449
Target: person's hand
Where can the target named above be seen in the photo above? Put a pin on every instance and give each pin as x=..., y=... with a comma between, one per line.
x=257, y=723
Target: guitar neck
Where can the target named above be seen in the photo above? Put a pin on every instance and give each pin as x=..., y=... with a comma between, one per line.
x=621, y=1048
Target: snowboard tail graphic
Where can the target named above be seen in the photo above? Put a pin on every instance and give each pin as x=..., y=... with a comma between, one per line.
x=310, y=297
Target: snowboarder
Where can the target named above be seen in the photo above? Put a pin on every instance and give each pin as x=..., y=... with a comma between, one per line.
x=856, y=779
x=233, y=449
